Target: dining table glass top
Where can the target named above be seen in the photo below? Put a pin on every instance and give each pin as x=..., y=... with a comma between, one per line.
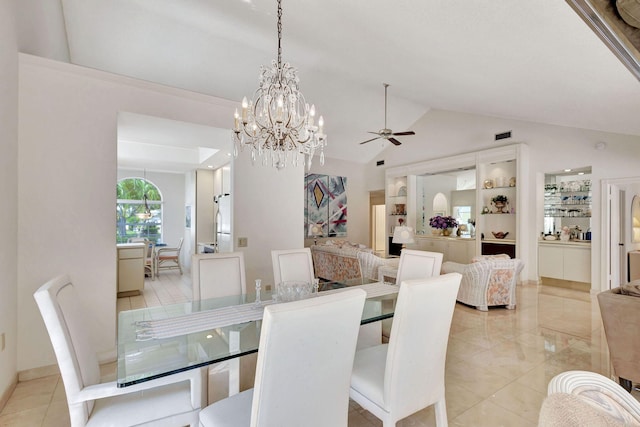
x=158, y=341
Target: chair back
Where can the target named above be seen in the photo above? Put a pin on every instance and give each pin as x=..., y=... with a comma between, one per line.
x=416, y=264
x=292, y=264
x=66, y=324
x=369, y=264
x=218, y=275
x=414, y=371
x=305, y=360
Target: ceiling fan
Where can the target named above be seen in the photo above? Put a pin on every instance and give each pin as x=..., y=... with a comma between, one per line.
x=385, y=133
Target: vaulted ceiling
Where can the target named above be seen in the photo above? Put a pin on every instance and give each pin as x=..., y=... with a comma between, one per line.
x=528, y=60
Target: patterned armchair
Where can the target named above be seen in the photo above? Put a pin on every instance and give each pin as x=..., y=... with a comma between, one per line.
x=487, y=282
x=337, y=262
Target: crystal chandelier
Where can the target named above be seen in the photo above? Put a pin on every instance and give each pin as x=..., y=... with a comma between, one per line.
x=278, y=125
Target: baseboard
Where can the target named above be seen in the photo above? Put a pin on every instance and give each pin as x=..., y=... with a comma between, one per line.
x=4, y=397
x=41, y=372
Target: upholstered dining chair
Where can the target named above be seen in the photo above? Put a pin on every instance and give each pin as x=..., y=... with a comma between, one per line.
x=292, y=264
x=395, y=380
x=219, y=275
x=415, y=264
x=174, y=400
x=305, y=358
x=167, y=258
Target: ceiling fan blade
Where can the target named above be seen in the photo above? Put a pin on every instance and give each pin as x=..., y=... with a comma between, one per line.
x=375, y=133
x=369, y=140
x=394, y=141
x=409, y=132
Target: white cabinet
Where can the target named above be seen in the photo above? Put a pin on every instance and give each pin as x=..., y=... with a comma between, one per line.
x=565, y=262
x=577, y=264
x=452, y=248
x=550, y=261
x=131, y=260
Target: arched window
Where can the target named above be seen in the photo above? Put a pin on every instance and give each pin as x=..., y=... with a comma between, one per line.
x=135, y=215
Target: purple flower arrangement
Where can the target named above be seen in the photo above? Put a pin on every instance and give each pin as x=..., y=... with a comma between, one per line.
x=443, y=222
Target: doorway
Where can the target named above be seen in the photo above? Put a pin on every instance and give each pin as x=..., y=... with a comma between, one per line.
x=617, y=230
x=377, y=235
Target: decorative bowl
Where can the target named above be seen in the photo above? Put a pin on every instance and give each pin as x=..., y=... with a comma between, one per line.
x=500, y=234
x=550, y=237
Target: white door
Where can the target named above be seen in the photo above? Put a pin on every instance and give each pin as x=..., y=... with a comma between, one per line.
x=612, y=200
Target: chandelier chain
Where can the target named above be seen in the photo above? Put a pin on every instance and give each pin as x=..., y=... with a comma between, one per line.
x=279, y=33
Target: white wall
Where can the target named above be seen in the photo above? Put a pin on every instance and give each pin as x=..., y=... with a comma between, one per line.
x=552, y=148
x=268, y=208
x=358, y=215
x=66, y=175
x=8, y=193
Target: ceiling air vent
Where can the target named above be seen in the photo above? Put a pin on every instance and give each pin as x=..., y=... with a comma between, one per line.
x=380, y=163
x=503, y=135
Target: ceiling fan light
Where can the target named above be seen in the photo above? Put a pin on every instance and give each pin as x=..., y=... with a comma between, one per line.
x=386, y=133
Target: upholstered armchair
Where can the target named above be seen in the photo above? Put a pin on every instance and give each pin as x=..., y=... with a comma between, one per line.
x=620, y=311
x=487, y=282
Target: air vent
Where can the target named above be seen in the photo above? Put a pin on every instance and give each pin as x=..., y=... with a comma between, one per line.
x=503, y=135
x=380, y=163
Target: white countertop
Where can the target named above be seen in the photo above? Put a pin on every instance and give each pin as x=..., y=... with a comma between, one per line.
x=433, y=236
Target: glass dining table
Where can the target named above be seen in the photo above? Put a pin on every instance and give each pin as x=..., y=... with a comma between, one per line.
x=158, y=341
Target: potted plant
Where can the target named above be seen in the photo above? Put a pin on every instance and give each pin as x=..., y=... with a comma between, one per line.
x=500, y=201
x=444, y=223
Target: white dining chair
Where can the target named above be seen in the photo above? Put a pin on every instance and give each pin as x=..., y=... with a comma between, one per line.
x=395, y=380
x=415, y=264
x=292, y=264
x=174, y=400
x=218, y=275
x=304, y=363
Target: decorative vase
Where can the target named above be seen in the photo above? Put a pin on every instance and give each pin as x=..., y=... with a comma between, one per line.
x=446, y=232
x=500, y=206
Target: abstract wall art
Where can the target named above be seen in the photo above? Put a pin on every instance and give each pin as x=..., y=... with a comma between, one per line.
x=325, y=205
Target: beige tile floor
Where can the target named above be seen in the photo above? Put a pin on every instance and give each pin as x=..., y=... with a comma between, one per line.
x=498, y=364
